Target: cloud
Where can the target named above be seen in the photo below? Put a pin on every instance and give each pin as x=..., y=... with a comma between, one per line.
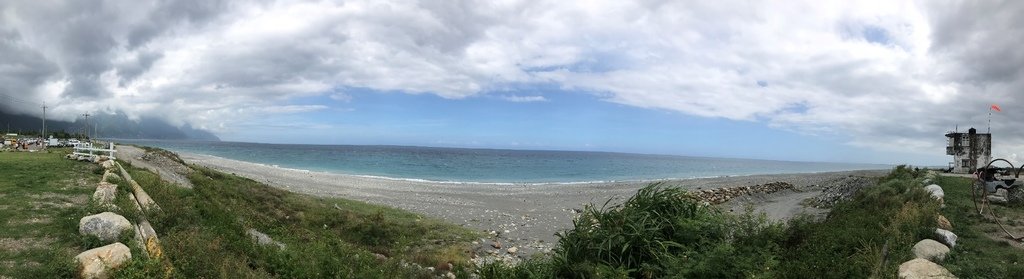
x=887, y=75
x=523, y=99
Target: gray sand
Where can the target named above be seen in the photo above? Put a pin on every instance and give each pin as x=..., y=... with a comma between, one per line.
x=526, y=216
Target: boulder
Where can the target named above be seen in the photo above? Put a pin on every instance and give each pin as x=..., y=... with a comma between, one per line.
x=946, y=237
x=997, y=199
x=513, y=250
x=100, y=262
x=106, y=226
x=935, y=190
x=105, y=193
x=107, y=164
x=930, y=250
x=921, y=268
x=943, y=223
x=264, y=239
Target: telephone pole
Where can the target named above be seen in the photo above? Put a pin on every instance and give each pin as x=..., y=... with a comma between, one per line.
x=87, y=125
x=44, y=120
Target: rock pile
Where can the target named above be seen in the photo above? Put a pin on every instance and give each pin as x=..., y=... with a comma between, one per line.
x=841, y=189
x=721, y=195
x=928, y=251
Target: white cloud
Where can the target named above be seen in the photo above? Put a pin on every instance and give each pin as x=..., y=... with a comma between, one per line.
x=889, y=75
x=523, y=99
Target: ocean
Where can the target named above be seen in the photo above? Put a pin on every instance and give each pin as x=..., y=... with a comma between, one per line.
x=491, y=165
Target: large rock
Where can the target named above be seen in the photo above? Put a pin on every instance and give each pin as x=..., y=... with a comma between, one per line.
x=107, y=164
x=946, y=237
x=935, y=190
x=105, y=193
x=263, y=239
x=943, y=223
x=106, y=226
x=100, y=262
x=930, y=250
x=921, y=268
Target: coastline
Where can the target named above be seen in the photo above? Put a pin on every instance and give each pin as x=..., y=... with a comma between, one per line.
x=524, y=215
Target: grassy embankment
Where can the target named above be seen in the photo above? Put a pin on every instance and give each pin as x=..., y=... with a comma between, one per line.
x=658, y=233
x=203, y=230
x=42, y=197
x=983, y=250
x=662, y=232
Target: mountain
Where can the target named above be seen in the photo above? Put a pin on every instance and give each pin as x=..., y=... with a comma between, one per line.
x=116, y=125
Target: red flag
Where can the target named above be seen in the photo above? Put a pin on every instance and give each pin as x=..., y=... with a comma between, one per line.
x=996, y=108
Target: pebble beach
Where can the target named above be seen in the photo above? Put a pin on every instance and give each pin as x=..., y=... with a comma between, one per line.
x=519, y=220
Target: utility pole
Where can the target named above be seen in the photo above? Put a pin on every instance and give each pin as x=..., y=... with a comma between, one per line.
x=44, y=120
x=87, y=125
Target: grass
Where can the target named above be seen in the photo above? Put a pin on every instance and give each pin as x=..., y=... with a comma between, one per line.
x=324, y=237
x=42, y=198
x=982, y=251
x=660, y=233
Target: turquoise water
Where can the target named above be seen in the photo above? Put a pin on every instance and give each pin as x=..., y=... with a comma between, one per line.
x=491, y=165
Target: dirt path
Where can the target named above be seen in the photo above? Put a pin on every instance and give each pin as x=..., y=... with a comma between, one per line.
x=168, y=169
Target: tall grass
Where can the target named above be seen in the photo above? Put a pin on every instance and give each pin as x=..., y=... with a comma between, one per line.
x=659, y=232
x=662, y=233
x=203, y=231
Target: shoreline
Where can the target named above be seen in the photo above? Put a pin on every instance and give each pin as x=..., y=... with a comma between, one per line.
x=551, y=183
x=525, y=216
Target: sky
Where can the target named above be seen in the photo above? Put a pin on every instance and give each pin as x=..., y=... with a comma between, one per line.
x=844, y=81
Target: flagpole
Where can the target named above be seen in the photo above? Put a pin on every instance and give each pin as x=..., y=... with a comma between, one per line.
x=989, y=120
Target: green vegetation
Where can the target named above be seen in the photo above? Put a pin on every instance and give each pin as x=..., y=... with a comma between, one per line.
x=982, y=251
x=203, y=231
x=42, y=197
x=661, y=232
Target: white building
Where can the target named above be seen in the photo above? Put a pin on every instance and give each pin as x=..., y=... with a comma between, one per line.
x=970, y=150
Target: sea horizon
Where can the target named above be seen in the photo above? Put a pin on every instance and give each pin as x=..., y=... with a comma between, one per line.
x=492, y=165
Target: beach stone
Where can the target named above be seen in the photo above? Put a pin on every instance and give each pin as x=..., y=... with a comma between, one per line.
x=105, y=193
x=106, y=226
x=930, y=250
x=100, y=262
x=513, y=250
x=946, y=237
x=936, y=191
x=921, y=269
x=496, y=245
x=997, y=199
x=943, y=223
x=263, y=239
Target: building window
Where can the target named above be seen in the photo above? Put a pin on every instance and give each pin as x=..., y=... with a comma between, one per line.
x=965, y=163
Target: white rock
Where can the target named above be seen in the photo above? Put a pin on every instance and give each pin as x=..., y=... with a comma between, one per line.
x=935, y=190
x=99, y=262
x=921, y=268
x=930, y=250
x=264, y=239
x=946, y=237
x=106, y=226
x=105, y=193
